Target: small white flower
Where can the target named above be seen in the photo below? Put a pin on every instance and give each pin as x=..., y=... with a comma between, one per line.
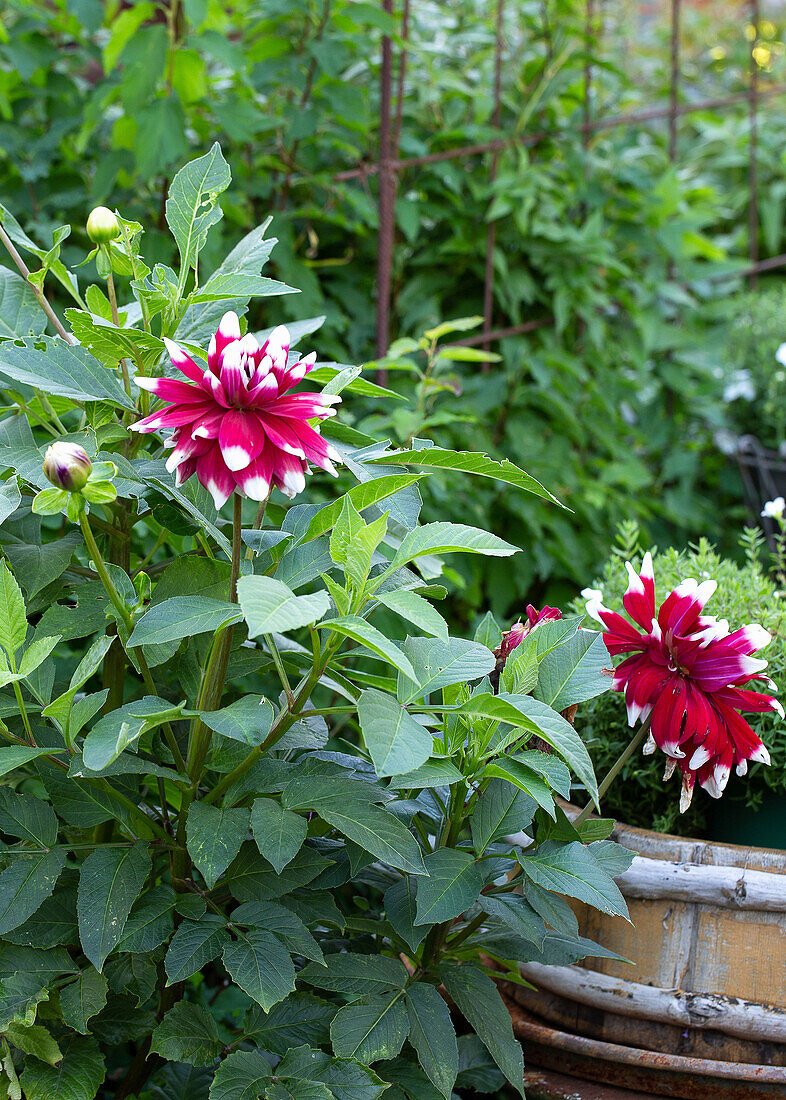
x=780, y=355
x=774, y=509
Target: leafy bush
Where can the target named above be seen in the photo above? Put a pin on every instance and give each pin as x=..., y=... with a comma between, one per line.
x=256, y=797
x=746, y=593
x=755, y=381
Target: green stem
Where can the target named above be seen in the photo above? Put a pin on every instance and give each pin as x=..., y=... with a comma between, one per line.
x=39, y=294
x=467, y=931
x=103, y=572
x=212, y=687
x=23, y=712
x=616, y=768
x=285, y=720
x=110, y=286
x=282, y=672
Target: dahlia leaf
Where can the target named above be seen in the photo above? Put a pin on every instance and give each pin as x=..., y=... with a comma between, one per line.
x=470, y=462
x=396, y=741
x=241, y=1076
x=25, y=884
x=412, y=607
x=110, y=881
x=438, y=664
x=573, y=869
x=478, y=998
x=182, y=617
x=63, y=370
x=453, y=886
x=370, y=1028
x=362, y=496
x=449, y=538
x=367, y=635
x=192, y=205
x=214, y=836
x=573, y=672
x=269, y=607
x=187, y=1034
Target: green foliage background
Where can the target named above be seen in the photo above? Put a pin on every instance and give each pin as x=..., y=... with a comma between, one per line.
x=616, y=405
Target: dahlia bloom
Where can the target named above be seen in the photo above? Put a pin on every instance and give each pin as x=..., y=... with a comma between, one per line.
x=687, y=674
x=235, y=425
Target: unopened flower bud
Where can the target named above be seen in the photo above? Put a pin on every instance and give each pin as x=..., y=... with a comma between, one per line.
x=67, y=466
x=510, y=639
x=102, y=226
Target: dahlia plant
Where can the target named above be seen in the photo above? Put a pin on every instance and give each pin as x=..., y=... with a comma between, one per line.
x=255, y=794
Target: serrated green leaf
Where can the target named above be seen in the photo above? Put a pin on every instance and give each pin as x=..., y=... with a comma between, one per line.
x=13, y=615
x=270, y=607
x=36, y=1040
x=401, y=911
x=25, y=884
x=433, y=1036
x=351, y=626
x=361, y=496
x=470, y=462
x=192, y=205
x=412, y=607
x=241, y=1076
x=187, y=1034
x=573, y=672
x=109, y=883
x=396, y=741
x=279, y=833
x=247, y=720
x=448, y=538
x=194, y=945
x=64, y=370
x=355, y=974
x=301, y=1018
x=478, y=998
x=572, y=869
x=183, y=616
x=261, y=967
x=83, y=999
x=370, y=1029
x=27, y=817
x=453, y=885
x=437, y=664
x=213, y=838
x=77, y=1077
x=501, y=809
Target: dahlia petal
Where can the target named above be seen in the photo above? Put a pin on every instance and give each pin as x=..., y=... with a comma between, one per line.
x=233, y=374
x=668, y=715
x=265, y=389
x=742, y=699
x=282, y=436
x=639, y=600
x=207, y=427
x=742, y=767
x=620, y=636
x=749, y=638
x=240, y=438
x=288, y=474
x=712, y=670
x=211, y=384
x=228, y=331
x=182, y=360
x=686, y=794
x=277, y=347
x=681, y=609
x=185, y=470
x=169, y=389
x=255, y=480
x=214, y=475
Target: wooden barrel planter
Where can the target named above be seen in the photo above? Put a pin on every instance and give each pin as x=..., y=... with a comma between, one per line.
x=700, y=1009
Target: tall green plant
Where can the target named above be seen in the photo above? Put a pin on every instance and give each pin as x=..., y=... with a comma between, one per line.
x=263, y=817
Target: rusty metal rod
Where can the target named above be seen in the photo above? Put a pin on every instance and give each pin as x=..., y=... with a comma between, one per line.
x=651, y=114
x=491, y=229
x=753, y=148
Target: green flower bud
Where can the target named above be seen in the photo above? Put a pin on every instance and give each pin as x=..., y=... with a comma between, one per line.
x=102, y=226
x=67, y=466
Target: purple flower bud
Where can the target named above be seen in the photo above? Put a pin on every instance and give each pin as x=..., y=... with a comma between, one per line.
x=102, y=226
x=67, y=466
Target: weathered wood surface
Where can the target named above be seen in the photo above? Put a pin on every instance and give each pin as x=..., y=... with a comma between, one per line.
x=707, y=944
x=733, y=1016
x=728, y=887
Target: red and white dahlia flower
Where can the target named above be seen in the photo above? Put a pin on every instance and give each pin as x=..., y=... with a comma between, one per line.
x=235, y=425
x=686, y=673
